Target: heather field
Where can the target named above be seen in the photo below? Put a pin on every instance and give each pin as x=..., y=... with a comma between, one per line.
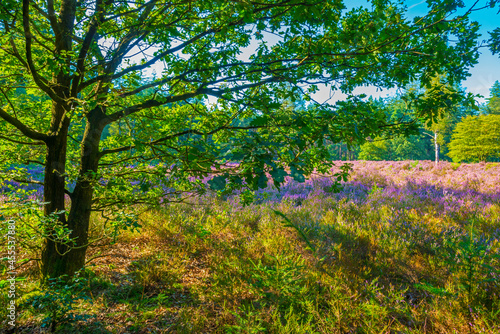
x=401, y=247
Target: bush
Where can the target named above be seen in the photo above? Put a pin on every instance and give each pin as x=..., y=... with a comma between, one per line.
x=476, y=138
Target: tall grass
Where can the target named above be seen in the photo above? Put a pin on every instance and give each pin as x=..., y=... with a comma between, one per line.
x=402, y=248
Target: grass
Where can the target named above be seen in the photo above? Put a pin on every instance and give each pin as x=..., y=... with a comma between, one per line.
x=374, y=261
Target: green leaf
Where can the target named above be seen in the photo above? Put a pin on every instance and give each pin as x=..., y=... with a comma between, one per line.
x=217, y=182
x=297, y=175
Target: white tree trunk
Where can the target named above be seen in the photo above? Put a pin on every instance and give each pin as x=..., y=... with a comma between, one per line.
x=436, y=148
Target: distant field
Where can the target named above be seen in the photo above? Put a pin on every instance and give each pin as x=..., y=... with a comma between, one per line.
x=402, y=247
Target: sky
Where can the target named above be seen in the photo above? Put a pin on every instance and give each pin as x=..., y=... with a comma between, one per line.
x=483, y=74
x=487, y=70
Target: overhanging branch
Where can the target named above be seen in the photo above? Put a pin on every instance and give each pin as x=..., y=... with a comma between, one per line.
x=22, y=142
x=146, y=64
x=183, y=97
x=87, y=42
x=27, y=131
x=40, y=81
x=182, y=133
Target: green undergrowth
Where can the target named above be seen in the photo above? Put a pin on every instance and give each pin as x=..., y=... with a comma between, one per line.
x=320, y=267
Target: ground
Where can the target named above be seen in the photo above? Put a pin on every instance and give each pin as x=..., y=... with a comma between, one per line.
x=404, y=247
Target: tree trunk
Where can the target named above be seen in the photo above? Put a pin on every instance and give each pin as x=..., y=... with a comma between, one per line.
x=54, y=183
x=53, y=198
x=436, y=148
x=58, y=259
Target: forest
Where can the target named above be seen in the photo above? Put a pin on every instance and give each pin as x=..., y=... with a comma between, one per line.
x=449, y=136
x=185, y=166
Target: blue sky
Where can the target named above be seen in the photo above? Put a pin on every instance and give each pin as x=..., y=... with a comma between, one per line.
x=487, y=71
x=484, y=73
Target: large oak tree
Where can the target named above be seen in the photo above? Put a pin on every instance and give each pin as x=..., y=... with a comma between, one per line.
x=125, y=101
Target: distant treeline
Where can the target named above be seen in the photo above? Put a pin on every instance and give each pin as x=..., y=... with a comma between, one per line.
x=468, y=134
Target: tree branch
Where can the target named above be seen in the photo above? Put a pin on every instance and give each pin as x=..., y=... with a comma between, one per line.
x=40, y=81
x=22, y=142
x=182, y=133
x=109, y=76
x=15, y=51
x=53, y=18
x=28, y=181
x=124, y=47
x=146, y=64
x=200, y=91
x=28, y=132
x=87, y=42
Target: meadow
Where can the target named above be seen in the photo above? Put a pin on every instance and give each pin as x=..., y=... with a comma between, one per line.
x=400, y=247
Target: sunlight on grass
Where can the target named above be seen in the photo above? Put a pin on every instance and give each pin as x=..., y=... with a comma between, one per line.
x=394, y=251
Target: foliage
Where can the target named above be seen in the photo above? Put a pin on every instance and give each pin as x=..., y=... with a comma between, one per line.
x=447, y=103
x=476, y=138
x=494, y=100
x=402, y=247
x=57, y=301
x=137, y=102
x=494, y=41
x=472, y=260
x=375, y=150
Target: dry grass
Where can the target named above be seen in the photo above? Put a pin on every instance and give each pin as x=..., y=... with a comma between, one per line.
x=374, y=268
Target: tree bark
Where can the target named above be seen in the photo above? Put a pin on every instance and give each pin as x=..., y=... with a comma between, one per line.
x=53, y=198
x=436, y=148
x=59, y=259
x=54, y=182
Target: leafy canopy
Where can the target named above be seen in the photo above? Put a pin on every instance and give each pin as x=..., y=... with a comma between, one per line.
x=135, y=77
x=476, y=138
x=494, y=100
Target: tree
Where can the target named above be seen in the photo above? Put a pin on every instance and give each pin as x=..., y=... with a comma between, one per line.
x=412, y=147
x=72, y=69
x=415, y=146
x=494, y=41
x=447, y=102
x=397, y=146
x=494, y=100
x=476, y=138
x=375, y=150
x=342, y=151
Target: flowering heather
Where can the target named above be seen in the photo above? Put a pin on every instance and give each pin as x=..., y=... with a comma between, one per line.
x=400, y=247
x=452, y=186
x=12, y=185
